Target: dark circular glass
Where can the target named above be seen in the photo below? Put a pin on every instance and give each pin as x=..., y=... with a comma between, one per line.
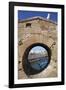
x=38, y=58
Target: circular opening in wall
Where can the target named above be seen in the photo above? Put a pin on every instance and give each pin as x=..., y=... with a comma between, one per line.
x=36, y=58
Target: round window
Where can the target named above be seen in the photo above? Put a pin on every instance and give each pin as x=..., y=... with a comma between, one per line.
x=36, y=58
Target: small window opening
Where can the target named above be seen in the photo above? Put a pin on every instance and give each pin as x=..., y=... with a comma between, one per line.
x=28, y=25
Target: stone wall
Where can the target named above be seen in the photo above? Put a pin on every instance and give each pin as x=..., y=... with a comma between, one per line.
x=40, y=31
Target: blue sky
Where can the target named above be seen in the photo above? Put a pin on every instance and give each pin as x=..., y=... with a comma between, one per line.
x=28, y=14
x=37, y=49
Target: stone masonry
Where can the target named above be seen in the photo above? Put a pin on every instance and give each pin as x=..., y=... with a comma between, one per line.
x=37, y=30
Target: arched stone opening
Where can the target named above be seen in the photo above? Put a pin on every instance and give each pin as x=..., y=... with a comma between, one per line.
x=28, y=69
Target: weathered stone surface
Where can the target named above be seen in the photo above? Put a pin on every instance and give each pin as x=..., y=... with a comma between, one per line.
x=40, y=31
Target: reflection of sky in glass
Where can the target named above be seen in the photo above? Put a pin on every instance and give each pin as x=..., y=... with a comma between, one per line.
x=37, y=49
